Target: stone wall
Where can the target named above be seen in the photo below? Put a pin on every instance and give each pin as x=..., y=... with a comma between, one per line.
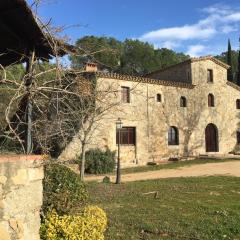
x=20, y=197
x=152, y=119
x=177, y=73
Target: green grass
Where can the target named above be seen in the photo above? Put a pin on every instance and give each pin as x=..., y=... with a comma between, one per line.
x=185, y=208
x=171, y=165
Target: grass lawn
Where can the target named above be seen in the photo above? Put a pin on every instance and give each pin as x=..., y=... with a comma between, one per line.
x=171, y=165
x=185, y=208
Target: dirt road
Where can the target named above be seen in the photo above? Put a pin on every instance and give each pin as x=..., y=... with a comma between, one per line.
x=224, y=168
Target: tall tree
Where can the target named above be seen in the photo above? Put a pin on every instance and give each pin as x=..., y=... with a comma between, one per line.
x=127, y=57
x=238, y=74
x=137, y=57
x=234, y=56
x=229, y=62
x=104, y=50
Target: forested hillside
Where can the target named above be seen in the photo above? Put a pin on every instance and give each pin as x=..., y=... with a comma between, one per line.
x=127, y=57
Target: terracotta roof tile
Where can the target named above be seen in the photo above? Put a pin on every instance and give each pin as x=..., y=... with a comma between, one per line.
x=144, y=80
x=233, y=85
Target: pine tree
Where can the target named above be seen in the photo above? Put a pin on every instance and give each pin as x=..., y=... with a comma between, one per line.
x=229, y=62
x=238, y=74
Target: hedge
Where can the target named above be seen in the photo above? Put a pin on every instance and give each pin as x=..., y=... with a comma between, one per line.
x=63, y=190
x=91, y=225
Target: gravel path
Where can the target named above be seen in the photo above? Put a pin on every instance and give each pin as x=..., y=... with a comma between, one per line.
x=208, y=169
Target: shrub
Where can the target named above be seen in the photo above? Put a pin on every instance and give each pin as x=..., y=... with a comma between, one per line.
x=151, y=163
x=106, y=179
x=91, y=225
x=62, y=190
x=173, y=159
x=98, y=161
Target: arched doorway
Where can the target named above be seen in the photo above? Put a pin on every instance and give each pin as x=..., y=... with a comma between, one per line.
x=211, y=138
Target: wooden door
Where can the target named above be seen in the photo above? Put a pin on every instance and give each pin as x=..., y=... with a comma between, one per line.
x=211, y=138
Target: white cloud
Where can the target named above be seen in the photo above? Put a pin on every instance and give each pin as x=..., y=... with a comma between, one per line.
x=234, y=17
x=170, y=44
x=217, y=9
x=180, y=33
x=167, y=44
x=219, y=20
x=228, y=28
x=196, y=50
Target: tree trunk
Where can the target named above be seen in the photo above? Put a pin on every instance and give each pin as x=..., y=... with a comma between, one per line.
x=82, y=164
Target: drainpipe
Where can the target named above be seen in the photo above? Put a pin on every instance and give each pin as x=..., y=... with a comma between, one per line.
x=148, y=133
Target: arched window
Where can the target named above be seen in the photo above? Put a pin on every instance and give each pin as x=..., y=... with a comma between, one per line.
x=183, y=102
x=159, y=97
x=173, y=138
x=210, y=100
x=238, y=103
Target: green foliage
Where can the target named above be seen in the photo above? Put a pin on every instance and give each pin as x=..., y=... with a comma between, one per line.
x=229, y=62
x=137, y=57
x=166, y=57
x=97, y=49
x=15, y=72
x=128, y=57
x=91, y=225
x=62, y=190
x=106, y=179
x=185, y=208
x=98, y=161
x=234, y=60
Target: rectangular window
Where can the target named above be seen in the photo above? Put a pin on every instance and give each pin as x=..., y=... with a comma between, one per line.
x=238, y=103
x=188, y=76
x=210, y=75
x=125, y=94
x=238, y=137
x=127, y=136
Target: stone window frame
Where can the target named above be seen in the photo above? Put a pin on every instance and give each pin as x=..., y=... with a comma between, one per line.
x=127, y=136
x=173, y=136
x=158, y=97
x=209, y=75
x=211, y=100
x=125, y=94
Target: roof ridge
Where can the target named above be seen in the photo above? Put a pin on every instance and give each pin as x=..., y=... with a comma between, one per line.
x=234, y=85
x=194, y=59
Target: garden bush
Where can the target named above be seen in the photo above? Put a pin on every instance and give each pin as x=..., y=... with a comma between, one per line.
x=99, y=162
x=62, y=190
x=91, y=225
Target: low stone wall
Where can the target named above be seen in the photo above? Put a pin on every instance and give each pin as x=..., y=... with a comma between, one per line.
x=20, y=197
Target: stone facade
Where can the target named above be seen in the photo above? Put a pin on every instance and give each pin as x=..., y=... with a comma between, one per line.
x=178, y=73
x=152, y=119
x=20, y=197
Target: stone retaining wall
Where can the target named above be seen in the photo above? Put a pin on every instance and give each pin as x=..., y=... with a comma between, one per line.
x=20, y=197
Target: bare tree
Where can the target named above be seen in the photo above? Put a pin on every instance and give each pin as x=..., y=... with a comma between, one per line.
x=50, y=104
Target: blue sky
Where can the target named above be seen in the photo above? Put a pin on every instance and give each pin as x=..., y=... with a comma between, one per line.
x=195, y=27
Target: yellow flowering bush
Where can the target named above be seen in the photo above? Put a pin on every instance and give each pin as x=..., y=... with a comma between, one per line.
x=91, y=225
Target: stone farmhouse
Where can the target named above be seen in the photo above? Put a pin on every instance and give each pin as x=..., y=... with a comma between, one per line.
x=188, y=109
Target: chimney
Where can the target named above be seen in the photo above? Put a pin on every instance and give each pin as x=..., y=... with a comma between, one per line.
x=91, y=67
